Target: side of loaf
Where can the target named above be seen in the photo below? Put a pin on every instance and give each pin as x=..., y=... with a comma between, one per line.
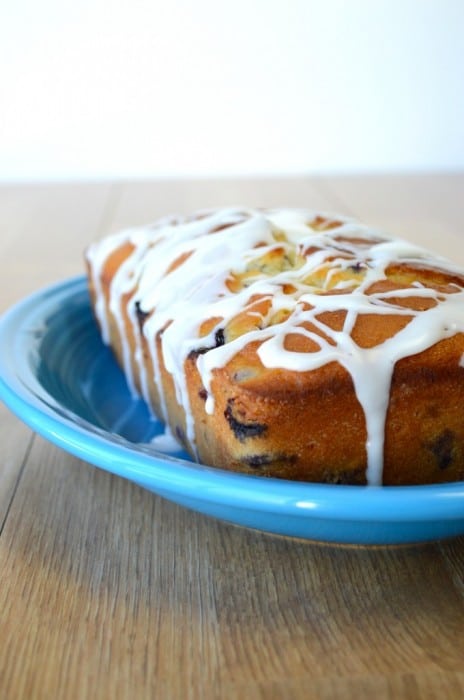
x=291, y=344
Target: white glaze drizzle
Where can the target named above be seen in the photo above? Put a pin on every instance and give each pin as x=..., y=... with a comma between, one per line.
x=97, y=255
x=166, y=442
x=178, y=300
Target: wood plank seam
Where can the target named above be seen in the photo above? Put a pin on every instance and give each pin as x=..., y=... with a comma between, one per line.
x=324, y=188
x=109, y=208
x=18, y=479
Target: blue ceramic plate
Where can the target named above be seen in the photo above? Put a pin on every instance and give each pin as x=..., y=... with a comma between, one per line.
x=59, y=378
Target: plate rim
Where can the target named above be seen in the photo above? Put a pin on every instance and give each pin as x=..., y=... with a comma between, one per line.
x=331, y=502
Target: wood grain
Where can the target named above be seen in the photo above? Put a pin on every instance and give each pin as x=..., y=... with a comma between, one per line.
x=142, y=202
x=43, y=231
x=16, y=440
x=108, y=591
x=425, y=209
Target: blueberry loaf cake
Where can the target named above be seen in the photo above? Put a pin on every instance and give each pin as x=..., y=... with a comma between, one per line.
x=290, y=344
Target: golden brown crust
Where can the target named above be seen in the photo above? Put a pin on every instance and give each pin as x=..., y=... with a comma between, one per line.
x=310, y=427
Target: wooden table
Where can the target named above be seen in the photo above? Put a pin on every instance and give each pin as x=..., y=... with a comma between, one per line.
x=108, y=591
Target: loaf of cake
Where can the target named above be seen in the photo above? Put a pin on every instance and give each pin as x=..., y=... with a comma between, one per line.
x=290, y=344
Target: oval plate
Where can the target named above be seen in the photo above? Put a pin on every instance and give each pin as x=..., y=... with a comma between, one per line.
x=59, y=378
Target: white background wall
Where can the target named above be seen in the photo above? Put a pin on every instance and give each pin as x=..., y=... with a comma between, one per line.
x=98, y=88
